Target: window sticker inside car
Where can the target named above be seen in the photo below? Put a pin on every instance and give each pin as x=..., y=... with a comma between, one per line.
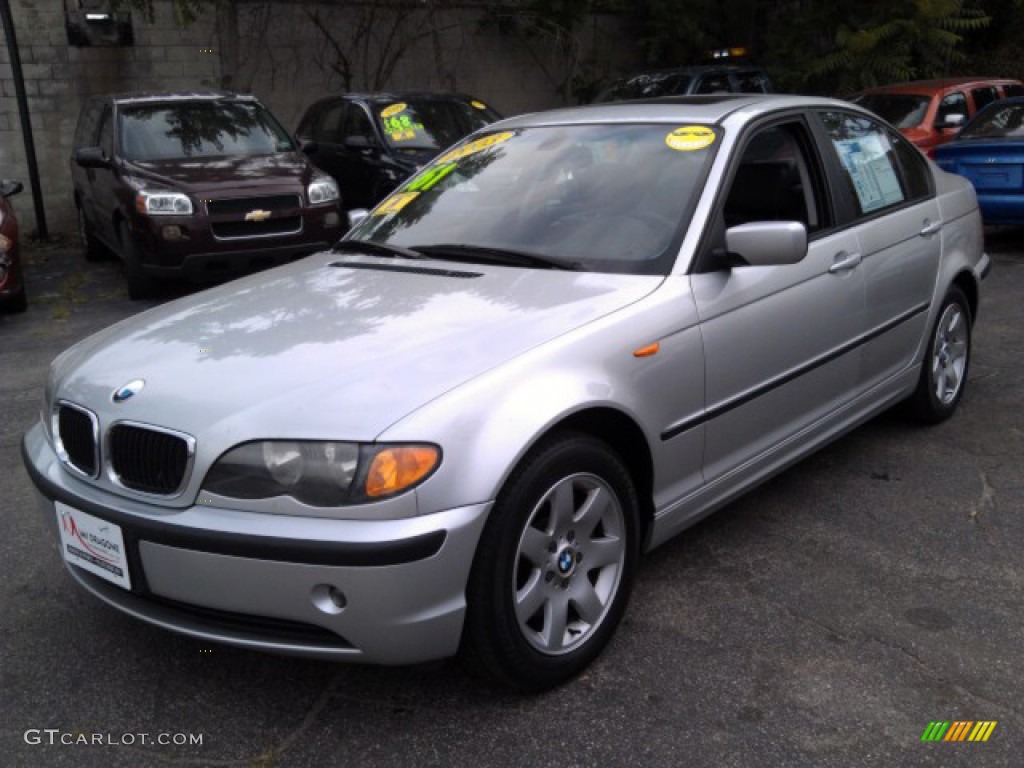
x=478, y=104
x=395, y=203
x=399, y=125
x=690, y=137
x=874, y=179
x=429, y=178
x=475, y=146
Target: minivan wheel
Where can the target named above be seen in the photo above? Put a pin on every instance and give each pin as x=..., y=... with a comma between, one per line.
x=554, y=567
x=91, y=248
x=140, y=284
x=944, y=370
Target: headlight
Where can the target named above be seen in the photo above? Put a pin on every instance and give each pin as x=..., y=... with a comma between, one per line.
x=323, y=190
x=321, y=474
x=159, y=203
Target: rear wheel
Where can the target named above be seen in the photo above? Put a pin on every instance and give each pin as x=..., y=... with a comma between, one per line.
x=554, y=566
x=140, y=284
x=944, y=371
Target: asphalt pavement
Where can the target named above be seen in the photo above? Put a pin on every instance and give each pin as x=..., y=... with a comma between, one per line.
x=825, y=619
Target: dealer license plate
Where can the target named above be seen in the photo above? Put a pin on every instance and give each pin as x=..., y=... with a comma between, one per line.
x=93, y=545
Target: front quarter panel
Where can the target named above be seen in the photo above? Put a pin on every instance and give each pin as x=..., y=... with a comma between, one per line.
x=487, y=425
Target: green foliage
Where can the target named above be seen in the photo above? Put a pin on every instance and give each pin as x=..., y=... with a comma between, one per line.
x=910, y=40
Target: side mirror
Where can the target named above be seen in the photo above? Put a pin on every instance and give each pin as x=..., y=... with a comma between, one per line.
x=766, y=243
x=360, y=142
x=357, y=216
x=8, y=188
x=953, y=120
x=91, y=157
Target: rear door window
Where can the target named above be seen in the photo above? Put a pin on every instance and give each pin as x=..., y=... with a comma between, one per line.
x=1012, y=90
x=867, y=154
x=752, y=81
x=714, y=84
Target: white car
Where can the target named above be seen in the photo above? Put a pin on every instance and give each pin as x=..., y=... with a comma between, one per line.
x=554, y=348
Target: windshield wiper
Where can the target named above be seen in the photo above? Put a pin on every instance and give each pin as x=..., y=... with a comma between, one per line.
x=376, y=249
x=486, y=255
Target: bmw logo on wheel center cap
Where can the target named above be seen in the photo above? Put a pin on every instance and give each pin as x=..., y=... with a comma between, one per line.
x=566, y=561
x=130, y=389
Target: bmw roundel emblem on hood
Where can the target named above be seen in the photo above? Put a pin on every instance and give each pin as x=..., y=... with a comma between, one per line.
x=128, y=390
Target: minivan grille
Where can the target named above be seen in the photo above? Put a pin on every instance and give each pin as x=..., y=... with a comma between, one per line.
x=148, y=460
x=76, y=429
x=243, y=205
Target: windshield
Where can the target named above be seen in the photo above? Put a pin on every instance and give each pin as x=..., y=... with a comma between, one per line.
x=200, y=129
x=647, y=87
x=609, y=198
x=418, y=124
x=1000, y=121
x=902, y=110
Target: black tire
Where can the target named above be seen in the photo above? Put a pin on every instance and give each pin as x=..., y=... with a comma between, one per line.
x=91, y=248
x=140, y=284
x=946, y=362
x=529, y=551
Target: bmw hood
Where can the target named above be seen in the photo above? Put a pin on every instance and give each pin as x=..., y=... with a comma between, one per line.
x=331, y=347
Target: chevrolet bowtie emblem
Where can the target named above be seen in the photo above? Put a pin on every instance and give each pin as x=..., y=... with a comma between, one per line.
x=257, y=215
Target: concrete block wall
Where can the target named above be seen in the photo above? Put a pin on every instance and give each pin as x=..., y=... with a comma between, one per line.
x=281, y=58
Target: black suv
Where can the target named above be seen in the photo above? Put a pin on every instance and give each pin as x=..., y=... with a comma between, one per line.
x=196, y=185
x=685, y=81
x=372, y=142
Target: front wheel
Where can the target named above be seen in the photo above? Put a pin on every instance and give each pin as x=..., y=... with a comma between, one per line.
x=140, y=284
x=944, y=371
x=554, y=567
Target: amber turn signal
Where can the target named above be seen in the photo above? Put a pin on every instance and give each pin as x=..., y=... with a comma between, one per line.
x=396, y=468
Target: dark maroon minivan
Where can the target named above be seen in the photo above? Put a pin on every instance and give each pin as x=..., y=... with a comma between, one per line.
x=196, y=185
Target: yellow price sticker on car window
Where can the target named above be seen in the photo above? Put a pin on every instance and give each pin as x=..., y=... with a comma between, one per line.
x=690, y=137
x=478, y=104
x=476, y=146
x=394, y=109
x=395, y=203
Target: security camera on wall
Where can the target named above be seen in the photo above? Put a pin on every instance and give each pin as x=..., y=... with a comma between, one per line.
x=92, y=23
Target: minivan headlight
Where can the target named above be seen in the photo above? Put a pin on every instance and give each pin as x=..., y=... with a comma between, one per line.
x=320, y=473
x=323, y=190
x=161, y=203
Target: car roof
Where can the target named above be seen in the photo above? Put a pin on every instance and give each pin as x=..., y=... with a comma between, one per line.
x=930, y=87
x=391, y=96
x=199, y=94
x=710, y=109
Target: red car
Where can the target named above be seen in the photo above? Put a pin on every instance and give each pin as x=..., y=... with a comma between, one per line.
x=930, y=112
x=12, y=286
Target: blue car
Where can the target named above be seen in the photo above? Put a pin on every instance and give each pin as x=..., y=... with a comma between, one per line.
x=990, y=152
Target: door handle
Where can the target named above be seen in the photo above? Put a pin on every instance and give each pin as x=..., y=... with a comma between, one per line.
x=844, y=262
x=930, y=228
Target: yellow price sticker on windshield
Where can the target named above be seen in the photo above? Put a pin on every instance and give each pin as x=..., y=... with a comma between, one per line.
x=690, y=137
x=393, y=110
x=395, y=203
x=478, y=104
x=475, y=146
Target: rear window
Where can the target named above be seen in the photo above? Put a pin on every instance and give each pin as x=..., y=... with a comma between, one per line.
x=199, y=129
x=899, y=109
x=998, y=121
x=648, y=87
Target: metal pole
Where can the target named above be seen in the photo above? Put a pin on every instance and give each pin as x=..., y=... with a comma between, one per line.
x=26, y=121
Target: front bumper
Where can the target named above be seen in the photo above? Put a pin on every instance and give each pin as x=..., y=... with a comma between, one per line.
x=258, y=581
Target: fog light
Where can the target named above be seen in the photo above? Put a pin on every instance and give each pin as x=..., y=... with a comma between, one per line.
x=171, y=232
x=331, y=219
x=329, y=599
